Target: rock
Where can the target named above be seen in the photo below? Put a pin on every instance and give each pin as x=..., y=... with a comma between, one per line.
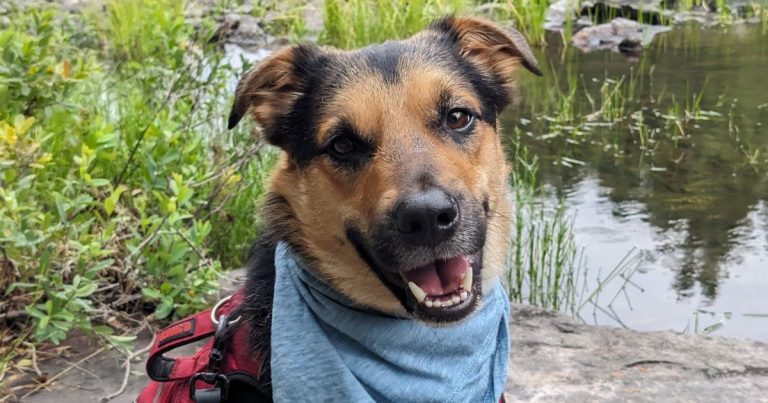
x=621, y=31
x=655, y=12
x=601, y=11
x=609, y=24
x=556, y=358
x=242, y=30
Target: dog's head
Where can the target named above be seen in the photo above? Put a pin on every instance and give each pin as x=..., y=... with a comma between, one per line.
x=393, y=184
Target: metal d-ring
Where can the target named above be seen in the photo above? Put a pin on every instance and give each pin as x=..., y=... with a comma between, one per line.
x=216, y=308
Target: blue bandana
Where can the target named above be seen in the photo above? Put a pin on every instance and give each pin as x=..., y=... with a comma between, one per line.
x=325, y=350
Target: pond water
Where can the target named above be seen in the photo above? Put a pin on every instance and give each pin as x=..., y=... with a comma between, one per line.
x=668, y=165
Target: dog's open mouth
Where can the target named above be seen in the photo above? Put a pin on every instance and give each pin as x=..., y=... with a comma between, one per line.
x=444, y=288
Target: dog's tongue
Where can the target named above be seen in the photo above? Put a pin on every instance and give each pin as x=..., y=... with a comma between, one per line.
x=440, y=277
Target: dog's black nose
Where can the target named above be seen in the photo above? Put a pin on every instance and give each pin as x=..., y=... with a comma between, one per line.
x=428, y=217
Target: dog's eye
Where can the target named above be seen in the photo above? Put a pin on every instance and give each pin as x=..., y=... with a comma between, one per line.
x=458, y=119
x=342, y=145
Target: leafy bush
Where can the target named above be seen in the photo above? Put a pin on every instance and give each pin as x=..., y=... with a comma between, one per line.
x=119, y=183
x=32, y=77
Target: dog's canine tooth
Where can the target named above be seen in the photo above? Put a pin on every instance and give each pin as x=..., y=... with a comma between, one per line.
x=417, y=292
x=467, y=283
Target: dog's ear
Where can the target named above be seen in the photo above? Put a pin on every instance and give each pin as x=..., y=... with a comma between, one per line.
x=499, y=50
x=270, y=89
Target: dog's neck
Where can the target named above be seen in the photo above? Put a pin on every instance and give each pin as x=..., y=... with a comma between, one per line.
x=324, y=347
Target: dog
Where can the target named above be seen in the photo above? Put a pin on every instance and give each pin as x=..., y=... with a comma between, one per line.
x=392, y=185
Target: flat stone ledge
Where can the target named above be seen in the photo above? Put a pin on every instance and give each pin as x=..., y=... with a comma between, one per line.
x=556, y=358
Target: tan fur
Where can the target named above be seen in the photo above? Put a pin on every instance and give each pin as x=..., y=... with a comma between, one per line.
x=269, y=90
x=321, y=198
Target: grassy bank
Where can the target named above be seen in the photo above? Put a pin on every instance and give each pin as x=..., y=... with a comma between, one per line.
x=122, y=194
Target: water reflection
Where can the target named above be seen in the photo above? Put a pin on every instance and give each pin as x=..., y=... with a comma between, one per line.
x=692, y=195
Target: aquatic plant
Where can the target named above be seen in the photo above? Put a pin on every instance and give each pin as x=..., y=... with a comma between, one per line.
x=546, y=266
x=544, y=261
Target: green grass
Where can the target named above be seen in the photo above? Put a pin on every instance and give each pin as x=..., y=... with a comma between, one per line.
x=544, y=260
x=355, y=23
x=575, y=109
x=546, y=266
x=128, y=24
x=528, y=16
x=286, y=18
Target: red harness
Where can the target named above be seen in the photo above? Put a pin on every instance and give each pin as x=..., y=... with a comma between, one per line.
x=207, y=375
x=204, y=376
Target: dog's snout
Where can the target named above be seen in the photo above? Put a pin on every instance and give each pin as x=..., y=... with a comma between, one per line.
x=427, y=217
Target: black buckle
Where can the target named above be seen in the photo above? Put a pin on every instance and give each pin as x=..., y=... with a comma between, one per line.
x=213, y=395
x=216, y=358
x=212, y=376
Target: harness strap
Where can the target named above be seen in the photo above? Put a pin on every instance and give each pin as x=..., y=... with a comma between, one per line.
x=188, y=330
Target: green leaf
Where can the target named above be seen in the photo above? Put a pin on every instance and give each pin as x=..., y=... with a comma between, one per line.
x=86, y=290
x=122, y=339
x=43, y=322
x=111, y=201
x=101, y=266
x=151, y=293
x=164, y=309
x=99, y=182
x=35, y=313
x=104, y=330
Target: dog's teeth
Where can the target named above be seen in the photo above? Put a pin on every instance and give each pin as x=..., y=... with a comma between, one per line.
x=455, y=299
x=428, y=303
x=463, y=295
x=417, y=292
x=467, y=283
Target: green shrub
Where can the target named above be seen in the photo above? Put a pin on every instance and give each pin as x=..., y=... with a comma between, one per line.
x=31, y=77
x=118, y=179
